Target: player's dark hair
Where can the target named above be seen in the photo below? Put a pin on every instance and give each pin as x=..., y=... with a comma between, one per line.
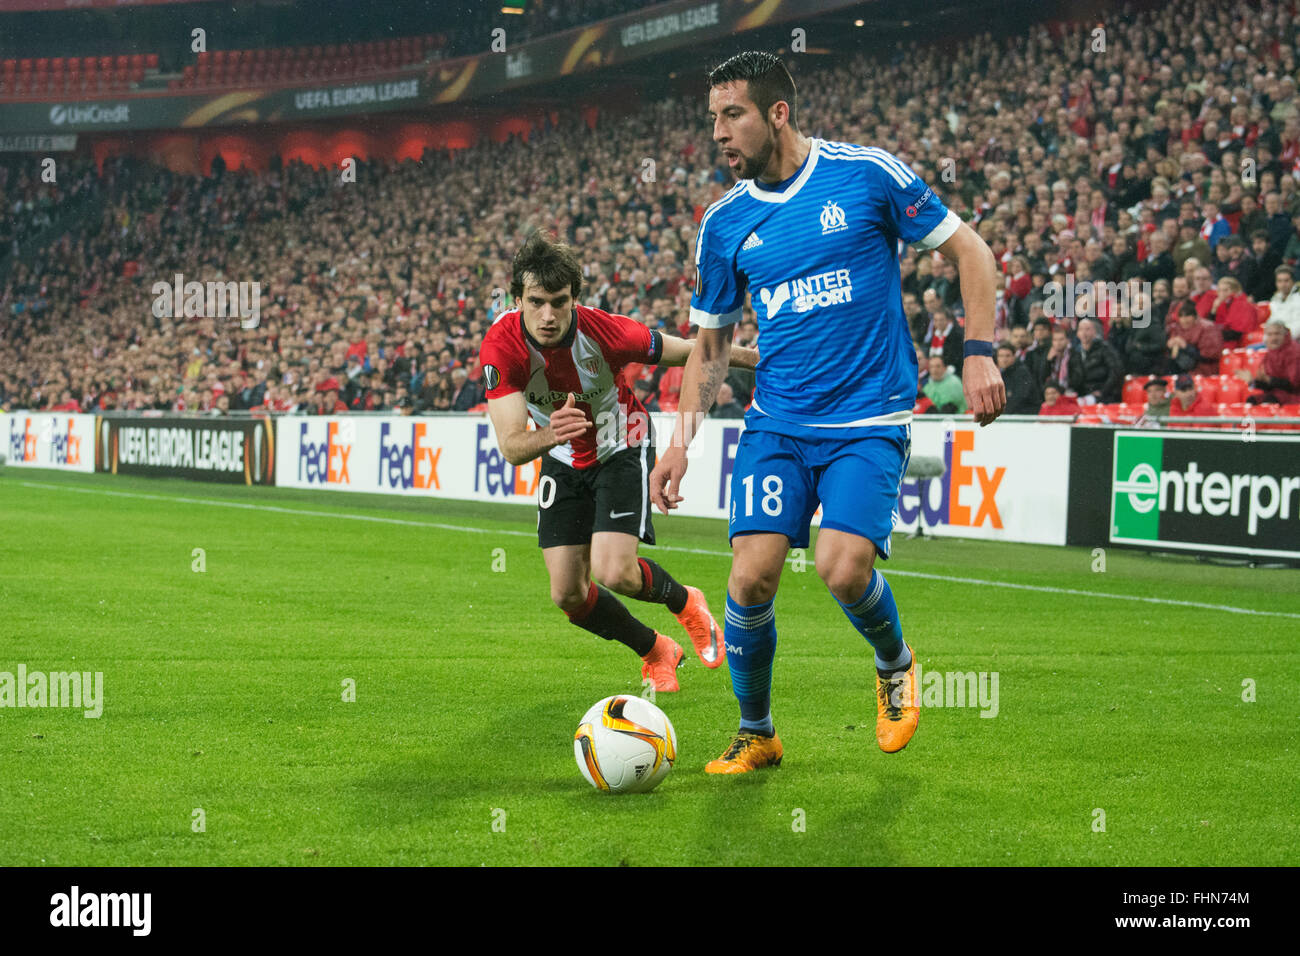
x=551, y=263
x=767, y=79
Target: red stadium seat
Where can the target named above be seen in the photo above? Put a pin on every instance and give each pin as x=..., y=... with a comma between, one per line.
x=1253, y=337
x=1233, y=409
x=1232, y=389
x=1135, y=388
x=1262, y=310
x=1208, y=385
x=151, y=61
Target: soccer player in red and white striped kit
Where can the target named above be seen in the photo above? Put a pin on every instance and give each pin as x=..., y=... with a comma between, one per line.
x=561, y=364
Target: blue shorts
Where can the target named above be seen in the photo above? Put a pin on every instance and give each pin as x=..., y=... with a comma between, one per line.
x=783, y=472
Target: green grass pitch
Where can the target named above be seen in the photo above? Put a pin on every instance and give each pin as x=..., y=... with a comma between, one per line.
x=223, y=692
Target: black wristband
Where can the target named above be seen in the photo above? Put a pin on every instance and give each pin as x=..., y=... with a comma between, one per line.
x=977, y=347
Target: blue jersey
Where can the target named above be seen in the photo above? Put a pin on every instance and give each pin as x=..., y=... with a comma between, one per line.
x=819, y=255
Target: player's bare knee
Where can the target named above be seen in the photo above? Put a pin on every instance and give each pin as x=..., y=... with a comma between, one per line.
x=623, y=577
x=847, y=580
x=749, y=586
x=568, y=598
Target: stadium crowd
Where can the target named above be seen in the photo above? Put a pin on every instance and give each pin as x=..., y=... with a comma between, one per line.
x=1165, y=167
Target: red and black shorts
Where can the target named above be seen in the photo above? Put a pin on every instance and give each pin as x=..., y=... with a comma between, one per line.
x=573, y=503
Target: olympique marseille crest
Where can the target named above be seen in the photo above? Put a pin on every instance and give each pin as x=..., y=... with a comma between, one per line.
x=832, y=218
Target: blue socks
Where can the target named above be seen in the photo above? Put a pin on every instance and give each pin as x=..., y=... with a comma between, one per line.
x=750, y=635
x=875, y=615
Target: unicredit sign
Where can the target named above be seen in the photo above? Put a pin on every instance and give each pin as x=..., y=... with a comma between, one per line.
x=89, y=115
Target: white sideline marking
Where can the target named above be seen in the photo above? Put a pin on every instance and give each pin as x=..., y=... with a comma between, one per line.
x=948, y=579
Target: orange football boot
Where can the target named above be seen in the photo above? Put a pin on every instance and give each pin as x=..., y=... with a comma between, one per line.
x=897, y=708
x=748, y=752
x=661, y=664
x=703, y=629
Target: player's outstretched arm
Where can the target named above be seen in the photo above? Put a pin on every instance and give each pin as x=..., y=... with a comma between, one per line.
x=986, y=395
x=509, y=415
x=677, y=351
x=705, y=370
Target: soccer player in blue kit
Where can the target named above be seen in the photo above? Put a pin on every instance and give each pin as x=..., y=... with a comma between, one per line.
x=811, y=230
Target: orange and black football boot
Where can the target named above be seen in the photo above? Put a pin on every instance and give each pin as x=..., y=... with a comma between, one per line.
x=897, y=707
x=748, y=751
x=703, y=629
x=661, y=664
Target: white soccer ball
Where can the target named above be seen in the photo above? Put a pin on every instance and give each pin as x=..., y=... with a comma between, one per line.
x=625, y=745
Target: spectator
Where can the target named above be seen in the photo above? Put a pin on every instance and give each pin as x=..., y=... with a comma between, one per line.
x=1096, y=373
x=1189, y=246
x=1158, y=397
x=1035, y=357
x=1278, y=380
x=1285, y=304
x=946, y=338
x=1179, y=293
x=1291, y=251
x=1278, y=224
x=465, y=394
x=1138, y=338
x=1056, y=402
x=944, y=388
x=1195, y=344
x=1159, y=263
x=643, y=389
x=1265, y=263
x=66, y=403
x=1215, y=228
x=327, y=398
x=668, y=387
x=726, y=405
x=1188, y=402
x=1204, y=293
x=1232, y=311
x=1018, y=338
x=1023, y=395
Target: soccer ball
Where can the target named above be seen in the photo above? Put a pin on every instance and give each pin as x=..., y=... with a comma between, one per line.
x=625, y=745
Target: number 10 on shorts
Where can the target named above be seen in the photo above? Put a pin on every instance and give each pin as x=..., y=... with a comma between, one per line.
x=770, y=502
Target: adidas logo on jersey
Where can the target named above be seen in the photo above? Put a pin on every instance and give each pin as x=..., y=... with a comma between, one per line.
x=753, y=242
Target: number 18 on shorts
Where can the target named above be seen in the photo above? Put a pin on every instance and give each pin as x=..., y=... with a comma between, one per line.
x=779, y=480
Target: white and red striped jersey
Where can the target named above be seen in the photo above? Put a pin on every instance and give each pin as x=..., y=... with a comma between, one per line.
x=588, y=362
